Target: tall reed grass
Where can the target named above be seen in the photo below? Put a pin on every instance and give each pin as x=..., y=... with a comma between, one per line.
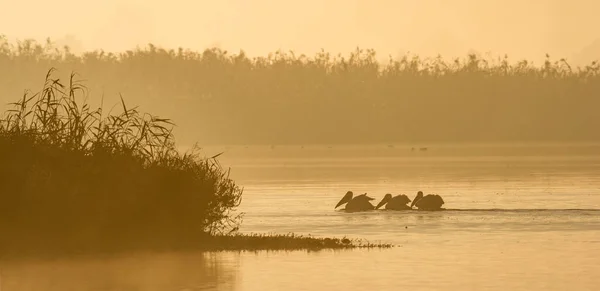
x=221, y=97
x=73, y=177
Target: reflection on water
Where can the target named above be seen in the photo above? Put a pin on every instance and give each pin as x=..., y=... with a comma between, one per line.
x=518, y=219
x=164, y=271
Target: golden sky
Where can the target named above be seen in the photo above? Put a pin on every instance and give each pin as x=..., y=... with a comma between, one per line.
x=519, y=28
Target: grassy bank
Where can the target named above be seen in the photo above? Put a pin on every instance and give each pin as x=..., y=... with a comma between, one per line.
x=224, y=98
x=254, y=242
x=77, y=179
x=208, y=243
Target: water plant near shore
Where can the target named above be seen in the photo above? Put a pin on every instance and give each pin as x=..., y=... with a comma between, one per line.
x=291, y=241
x=72, y=174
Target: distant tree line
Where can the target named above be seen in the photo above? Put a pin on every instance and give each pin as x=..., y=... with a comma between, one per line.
x=218, y=97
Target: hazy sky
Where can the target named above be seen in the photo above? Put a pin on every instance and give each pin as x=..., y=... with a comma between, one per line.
x=520, y=28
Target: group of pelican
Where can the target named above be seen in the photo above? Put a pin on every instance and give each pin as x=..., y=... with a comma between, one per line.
x=362, y=202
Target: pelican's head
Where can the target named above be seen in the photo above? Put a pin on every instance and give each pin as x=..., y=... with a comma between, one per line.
x=345, y=199
x=385, y=200
x=417, y=198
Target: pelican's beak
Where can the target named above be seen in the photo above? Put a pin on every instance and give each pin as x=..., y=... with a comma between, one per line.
x=345, y=199
x=414, y=201
x=383, y=202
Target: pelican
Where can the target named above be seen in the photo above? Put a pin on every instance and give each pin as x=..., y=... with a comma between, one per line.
x=429, y=202
x=397, y=202
x=358, y=203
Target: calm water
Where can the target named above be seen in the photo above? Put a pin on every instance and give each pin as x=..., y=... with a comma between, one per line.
x=525, y=218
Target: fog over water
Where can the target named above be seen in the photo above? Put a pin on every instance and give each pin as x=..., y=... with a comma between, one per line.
x=513, y=148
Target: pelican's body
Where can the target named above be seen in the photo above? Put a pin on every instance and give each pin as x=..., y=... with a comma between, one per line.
x=428, y=202
x=359, y=203
x=398, y=202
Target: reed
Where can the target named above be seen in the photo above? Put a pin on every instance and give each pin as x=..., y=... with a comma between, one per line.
x=72, y=175
x=349, y=98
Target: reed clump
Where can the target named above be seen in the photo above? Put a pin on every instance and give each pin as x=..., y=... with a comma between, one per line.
x=288, y=98
x=73, y=177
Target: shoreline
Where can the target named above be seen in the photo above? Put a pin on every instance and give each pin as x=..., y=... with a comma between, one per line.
x=252, y=242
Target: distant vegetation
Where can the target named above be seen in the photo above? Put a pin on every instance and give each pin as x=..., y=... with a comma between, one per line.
x=218, y=97
x=77, y=179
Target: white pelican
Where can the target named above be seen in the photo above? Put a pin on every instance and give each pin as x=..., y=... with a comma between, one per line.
x=397, y=202
x=429, y=202
x=358, y=203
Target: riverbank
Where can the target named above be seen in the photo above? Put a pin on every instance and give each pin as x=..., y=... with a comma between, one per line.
x=257, y=242
x=207, y=243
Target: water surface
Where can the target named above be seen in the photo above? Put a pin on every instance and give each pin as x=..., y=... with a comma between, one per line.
x=518, y=218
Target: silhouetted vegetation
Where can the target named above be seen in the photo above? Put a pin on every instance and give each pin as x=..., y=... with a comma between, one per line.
x=286, y=242
x=76, y=179
x=220, y=97
x=70, y=173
